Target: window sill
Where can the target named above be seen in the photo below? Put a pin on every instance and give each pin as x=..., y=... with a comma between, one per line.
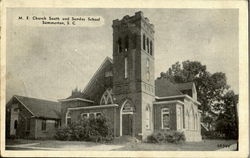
x=165, y=128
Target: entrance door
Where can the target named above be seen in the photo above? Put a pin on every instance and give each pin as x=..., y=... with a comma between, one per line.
x=127, y=124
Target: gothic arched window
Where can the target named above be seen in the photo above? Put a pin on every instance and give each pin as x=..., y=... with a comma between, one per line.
x=126, y=43
x=191, y=120
x=68, y=118
x=147, y=45
x=144, y=42
x=107, y=97
x=119, y=45
x=151, y=48
x=126, y=67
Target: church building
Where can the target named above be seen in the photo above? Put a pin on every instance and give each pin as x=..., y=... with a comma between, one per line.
x=124, y=88
x=125, y=91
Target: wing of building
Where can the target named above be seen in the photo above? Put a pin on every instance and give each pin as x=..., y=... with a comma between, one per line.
x=32, y=118
x=124, y=89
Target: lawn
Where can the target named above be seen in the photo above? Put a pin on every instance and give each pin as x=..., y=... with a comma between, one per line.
x=205, y=145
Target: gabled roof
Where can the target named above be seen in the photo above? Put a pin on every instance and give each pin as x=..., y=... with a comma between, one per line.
x=94, y=86
x=185, y=86
x=107, y=61
x=163, y=88
x=39, y=107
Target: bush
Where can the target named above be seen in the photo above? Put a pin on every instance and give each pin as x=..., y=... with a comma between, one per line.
x=91, y=129
x=167, y=136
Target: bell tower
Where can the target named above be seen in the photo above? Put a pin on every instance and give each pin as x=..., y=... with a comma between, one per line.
x=133, y=74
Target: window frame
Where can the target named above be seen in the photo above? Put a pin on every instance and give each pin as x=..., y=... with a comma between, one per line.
x=43, y=125
x=144, y=42
x=151, y=48
x=147, y=45
x=84, y=114
x=68, y=117
x=119, y=45
x=97, y=113
x=179, y=118
x=126, y=67
x=162, y=113
x=126, y=47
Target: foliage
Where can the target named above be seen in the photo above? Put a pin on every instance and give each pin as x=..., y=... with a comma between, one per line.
x=209, y=86
x=227, y=121
x=88, y=129
x=167, y=136
x=211, y=91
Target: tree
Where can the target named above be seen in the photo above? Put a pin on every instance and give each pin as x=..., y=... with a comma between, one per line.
x=210, y=87
x=227, y=121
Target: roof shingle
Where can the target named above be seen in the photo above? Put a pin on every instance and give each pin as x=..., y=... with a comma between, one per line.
x=184, y=86
x=41, y=108
x=164, y=88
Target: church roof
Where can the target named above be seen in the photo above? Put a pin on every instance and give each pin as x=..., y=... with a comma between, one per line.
x=96, y=86
x=40, y=107
x=185, y=86
x=163, y=88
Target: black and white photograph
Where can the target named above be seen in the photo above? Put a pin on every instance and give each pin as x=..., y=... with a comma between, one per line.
x=124, y=79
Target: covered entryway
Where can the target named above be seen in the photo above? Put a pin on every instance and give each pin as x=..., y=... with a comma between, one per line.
x=126, y=118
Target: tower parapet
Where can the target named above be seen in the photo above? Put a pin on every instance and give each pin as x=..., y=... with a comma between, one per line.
x=137, y=19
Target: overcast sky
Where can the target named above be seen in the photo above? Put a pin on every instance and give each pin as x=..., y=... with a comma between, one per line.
x=48, y=62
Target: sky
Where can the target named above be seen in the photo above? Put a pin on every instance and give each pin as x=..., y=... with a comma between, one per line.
x=49, y=62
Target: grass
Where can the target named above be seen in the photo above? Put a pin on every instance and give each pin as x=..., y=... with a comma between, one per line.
x=205, y=145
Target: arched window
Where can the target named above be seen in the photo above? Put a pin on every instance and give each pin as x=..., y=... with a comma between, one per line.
x=68, y=118
x=148, y=111
x=107, y=97
x=144, y=42
x=126, y=43
x=191, y=120
x=147, y=45
x=179, y=118
x=151, y=48
x=119, y=45
x=126, y=67
x=165, y=118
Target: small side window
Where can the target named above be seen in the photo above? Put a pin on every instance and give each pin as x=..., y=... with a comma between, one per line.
x=144, y=42
x=43, y=125
x=165, y=118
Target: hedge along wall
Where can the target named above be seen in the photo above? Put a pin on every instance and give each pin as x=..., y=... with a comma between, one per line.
x=108, y=112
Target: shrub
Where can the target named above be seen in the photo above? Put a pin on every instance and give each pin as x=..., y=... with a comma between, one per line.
x=167, y=136
x=90, y=129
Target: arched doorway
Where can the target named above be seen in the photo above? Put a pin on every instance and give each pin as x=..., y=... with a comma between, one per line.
x=126, y=118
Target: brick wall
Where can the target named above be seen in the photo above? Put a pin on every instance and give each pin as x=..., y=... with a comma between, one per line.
x=109, y=113
x=48, y=133
x=157, y=116
x=70, y=104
